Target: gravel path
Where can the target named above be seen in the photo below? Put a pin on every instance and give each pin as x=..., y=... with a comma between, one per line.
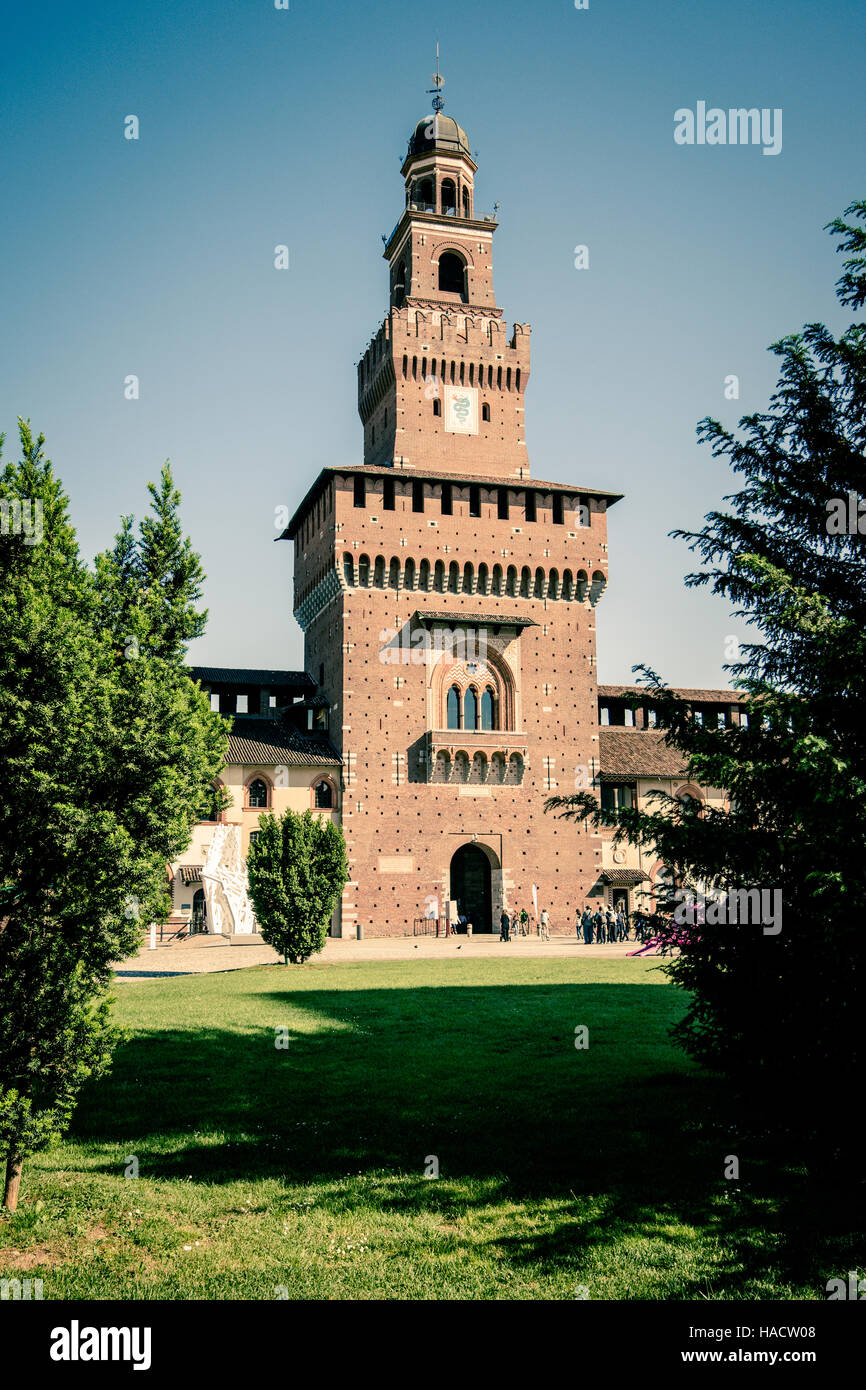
x=208, y=956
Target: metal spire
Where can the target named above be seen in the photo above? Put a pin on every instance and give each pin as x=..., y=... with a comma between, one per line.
x=436, y=90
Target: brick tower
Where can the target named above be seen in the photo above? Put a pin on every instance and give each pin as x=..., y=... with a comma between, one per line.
x=448, y=600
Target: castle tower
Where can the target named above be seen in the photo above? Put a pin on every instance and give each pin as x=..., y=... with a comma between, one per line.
x=442, y=383
x=448, y=602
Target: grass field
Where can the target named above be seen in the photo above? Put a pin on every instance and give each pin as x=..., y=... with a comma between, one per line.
x=302, y=1169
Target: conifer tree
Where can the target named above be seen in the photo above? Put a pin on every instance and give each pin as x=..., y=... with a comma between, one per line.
x=105, y=746
x=782, y=1015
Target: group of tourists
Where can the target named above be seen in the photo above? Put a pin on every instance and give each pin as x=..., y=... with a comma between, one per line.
x=518, y=923
x=607, y=925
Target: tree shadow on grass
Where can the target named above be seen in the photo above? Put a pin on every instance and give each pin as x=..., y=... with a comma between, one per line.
x=625, y=1138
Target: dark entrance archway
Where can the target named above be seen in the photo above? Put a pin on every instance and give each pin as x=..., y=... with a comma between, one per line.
x=199, y=911
x=470, y=886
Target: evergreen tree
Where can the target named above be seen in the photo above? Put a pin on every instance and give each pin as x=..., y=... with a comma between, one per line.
x=297, y=869
x=781, y=1014
x=105, y=745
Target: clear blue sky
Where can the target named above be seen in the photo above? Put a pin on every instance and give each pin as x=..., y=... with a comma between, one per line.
x=261, y=127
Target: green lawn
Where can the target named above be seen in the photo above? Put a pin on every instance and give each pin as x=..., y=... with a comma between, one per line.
x=304, y=1167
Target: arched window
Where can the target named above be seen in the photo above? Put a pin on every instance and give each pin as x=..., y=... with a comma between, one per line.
x=567, y=585
x=257, y=794
x=497, y=579
x=525, y=581
x=597, y=587
x=452, y=274
x=485, y=411
x=478, y=770
x=379, y=572
x=349, y=570
x=439, y=577
x=437, y=406
x=449, y=196
x=409, y=575
x=539, y=583
x=553, y=584
x=364, y=571
x=394, y=574
x=488, y=709
x=454, y=708
x=454, y=578
x=470, y=709
x=466, y=212
x=483, y=580
x=515, y=769
x=511, y=582
x=468, y=576
x=424, y=575
x=442, y=767
x=424, y=194
x=323, y=796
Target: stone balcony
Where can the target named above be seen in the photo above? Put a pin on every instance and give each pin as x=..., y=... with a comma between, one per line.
x=494, y=757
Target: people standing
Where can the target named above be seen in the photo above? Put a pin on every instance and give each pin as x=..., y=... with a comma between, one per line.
x=524, y=922
x=587, y=925
x=504, y=923
x=544, y=924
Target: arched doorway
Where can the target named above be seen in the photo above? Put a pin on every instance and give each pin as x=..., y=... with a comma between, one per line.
x=471, y=887
x=199, y=911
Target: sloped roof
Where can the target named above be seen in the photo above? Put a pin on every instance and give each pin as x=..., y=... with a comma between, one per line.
x=260, y=742
x=623, y=878
x=701, y=697
x=250, y=675
x=637, y=753
x=437, y=615
x=435, y=475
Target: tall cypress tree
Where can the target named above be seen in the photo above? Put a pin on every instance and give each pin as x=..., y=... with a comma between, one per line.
x=105, y=744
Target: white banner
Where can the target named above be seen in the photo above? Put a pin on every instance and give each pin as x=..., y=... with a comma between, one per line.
x=461, y=409
x=535, y=900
